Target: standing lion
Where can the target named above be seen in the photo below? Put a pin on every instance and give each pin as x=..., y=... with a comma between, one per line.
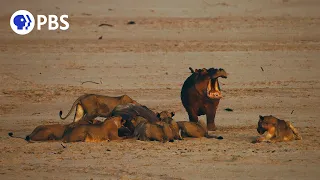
x=90, y=106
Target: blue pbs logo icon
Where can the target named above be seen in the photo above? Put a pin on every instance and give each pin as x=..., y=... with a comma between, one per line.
x=22, y=22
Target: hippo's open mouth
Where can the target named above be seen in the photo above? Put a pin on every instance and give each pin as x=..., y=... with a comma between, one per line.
x=213, y=90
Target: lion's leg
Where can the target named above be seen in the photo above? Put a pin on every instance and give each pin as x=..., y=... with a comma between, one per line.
x=52, y=137
x=294, y=130
x=117, y=138
x=266, y=138
x=114, y=136
x=178, y=135
x=163, y=137
x=90, y=138
x=79, y=113
x=104, y=111
x=278, y=139
x=78, y=136
x=260, y=139
x=183, y=133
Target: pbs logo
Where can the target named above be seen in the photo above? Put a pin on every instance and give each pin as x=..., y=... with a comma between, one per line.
x=22, y=22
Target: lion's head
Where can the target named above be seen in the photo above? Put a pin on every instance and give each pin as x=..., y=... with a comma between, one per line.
x=265, y=123
x=165, y=114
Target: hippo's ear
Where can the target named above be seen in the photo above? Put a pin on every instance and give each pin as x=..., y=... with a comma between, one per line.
x=172, y=114
x=203, y=71
x=192, y=71
x=261, y=117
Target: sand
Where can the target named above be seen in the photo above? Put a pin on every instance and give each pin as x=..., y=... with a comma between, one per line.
x=42, y=73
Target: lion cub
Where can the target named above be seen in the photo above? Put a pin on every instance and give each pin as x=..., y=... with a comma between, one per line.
x=106, y=131
x=195, y=129
x=277, y=130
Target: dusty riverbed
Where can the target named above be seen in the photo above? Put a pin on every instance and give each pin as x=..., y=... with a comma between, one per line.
x=42, y=73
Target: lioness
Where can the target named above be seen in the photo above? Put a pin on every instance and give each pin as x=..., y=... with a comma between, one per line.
x=106, y=131
x=90, y=106
x=130, y=112
x=277, y=130
x=195, y=129
x=146, y=131
x=166, y=117
x=51, y=132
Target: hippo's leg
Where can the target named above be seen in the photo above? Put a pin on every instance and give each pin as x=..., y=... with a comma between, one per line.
x=211, y=110
x=193, y=115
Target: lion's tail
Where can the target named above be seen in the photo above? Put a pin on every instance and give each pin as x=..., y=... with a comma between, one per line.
x=203, y=125
x=73, y=106
x=294, y=130
x=214, y=136
x=27, y=138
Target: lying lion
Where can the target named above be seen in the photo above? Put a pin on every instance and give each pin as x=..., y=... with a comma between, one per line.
x=166, y=117
x=130, y=112
x=147, y=131
x=106, y=131
x=277, y=130
x=195, y=129
x=51, y=132
x=153, y=132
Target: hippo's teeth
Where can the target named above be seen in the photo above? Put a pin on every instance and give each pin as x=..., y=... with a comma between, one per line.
x=216, y=86
x=209, y=85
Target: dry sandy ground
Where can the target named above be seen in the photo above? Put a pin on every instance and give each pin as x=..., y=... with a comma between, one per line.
x=41, y=73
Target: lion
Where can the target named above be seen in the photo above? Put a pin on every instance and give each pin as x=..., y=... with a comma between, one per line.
x=166, y=117
x=195, y=129
x=146, y=131
x=277, y=130
x=130, y=112
x=90, y=106
x=47, y=133
x=152, y=131
x=106, y=131
x=51, y=132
